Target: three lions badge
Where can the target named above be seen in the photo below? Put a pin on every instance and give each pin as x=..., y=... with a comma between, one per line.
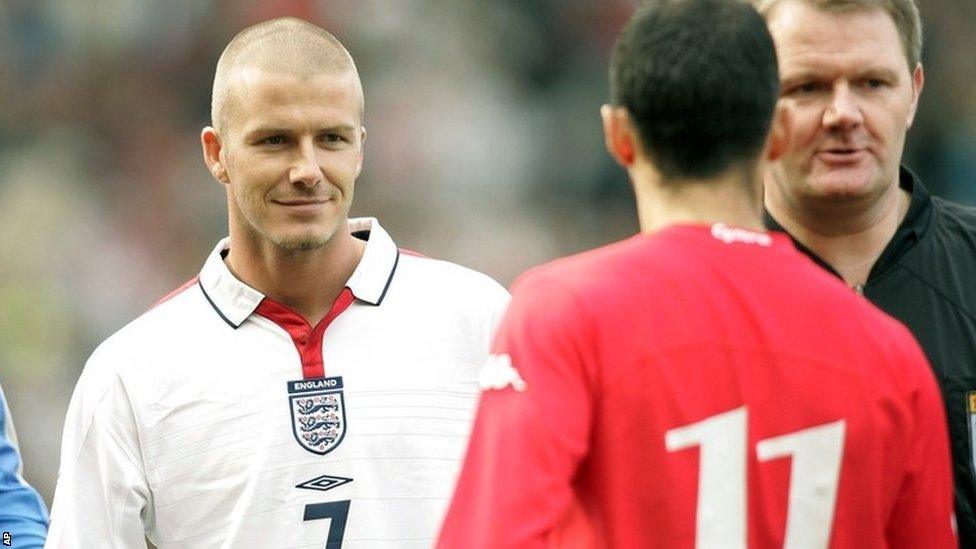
x=318, y=413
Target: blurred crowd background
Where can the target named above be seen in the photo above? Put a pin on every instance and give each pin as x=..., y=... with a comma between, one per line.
x=484, y=148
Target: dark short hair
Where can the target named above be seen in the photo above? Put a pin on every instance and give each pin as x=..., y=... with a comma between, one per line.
x=699, y=78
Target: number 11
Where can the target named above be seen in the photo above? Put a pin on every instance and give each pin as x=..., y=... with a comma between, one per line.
x=814, y=470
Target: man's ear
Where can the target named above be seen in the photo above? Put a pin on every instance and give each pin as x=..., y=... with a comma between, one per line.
x=778, y=142
x=918, y=80
x=619, y=134
x=362, y=150
x=210, y=141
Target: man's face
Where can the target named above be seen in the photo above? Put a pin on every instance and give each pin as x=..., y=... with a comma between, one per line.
x=292, y=148
x=849, y=96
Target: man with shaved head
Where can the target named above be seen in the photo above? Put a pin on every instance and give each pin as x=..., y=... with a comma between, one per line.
x=314, y=385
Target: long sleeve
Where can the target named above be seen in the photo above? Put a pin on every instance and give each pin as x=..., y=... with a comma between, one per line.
x=22, y=514
x=102, y=498
x=926, y=490
x=516, y=482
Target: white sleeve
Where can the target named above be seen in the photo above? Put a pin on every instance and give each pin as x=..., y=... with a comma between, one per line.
x=102, y=497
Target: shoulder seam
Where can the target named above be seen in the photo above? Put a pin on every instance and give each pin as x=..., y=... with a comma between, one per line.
x=179, y=290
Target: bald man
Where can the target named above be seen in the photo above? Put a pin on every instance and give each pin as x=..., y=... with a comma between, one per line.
x=314, y=385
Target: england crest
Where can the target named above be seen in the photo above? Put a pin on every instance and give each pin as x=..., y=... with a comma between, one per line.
x=318, y=413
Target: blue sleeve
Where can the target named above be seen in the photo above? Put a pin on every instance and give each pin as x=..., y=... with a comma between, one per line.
x=23, y=517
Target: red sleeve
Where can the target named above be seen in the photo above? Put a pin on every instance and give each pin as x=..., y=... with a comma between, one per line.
x=516, y=482
x=926, y=489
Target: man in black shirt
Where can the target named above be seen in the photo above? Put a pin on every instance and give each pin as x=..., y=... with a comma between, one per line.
x=851, y=76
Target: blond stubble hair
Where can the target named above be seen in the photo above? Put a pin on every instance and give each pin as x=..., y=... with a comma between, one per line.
x=286, y=45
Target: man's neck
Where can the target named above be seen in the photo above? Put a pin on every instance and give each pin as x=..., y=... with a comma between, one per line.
x=731, y=199
x=308, y=282
x=848, y=236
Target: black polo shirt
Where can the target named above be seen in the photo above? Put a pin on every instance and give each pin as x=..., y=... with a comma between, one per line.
x=926, y=278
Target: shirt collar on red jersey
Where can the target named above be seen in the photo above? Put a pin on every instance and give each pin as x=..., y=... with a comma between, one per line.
x=234, y=300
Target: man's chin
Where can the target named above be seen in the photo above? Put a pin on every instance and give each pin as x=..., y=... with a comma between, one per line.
x=305, y=243
x=840, y=189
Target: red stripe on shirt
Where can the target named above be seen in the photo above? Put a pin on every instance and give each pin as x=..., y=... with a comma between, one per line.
x=307, y=340
x=405, y=251
x=176, y=292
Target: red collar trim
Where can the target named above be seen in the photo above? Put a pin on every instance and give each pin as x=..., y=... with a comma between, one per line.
x=307, y=340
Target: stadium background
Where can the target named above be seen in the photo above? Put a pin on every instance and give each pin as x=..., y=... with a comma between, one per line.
x=484, y=148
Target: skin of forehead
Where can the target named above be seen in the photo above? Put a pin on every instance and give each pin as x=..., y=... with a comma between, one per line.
x=304, y=58
x=243, y=83
x=771, y=10
x=808, y=42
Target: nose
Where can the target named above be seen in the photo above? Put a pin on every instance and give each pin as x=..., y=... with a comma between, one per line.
x=305, y=170
x=843, y=111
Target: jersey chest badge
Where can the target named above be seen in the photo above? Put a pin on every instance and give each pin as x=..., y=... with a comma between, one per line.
x=318, y=413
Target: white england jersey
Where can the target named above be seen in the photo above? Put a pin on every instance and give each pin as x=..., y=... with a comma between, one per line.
x=221, y=419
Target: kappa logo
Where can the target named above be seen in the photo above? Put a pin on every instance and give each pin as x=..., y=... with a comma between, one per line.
x=318, y=413
x=498, y=373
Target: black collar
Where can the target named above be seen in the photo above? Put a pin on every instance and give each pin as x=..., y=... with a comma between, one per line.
x=911, y=230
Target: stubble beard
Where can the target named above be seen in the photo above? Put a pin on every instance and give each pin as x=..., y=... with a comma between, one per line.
x=305, y=243
x=299, y=244
x=259, y=229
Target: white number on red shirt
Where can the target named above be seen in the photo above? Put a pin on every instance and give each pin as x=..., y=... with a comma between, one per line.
x=721, y=515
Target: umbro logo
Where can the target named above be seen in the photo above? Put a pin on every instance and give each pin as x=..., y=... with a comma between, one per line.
x=498, y=373
x=324, y=483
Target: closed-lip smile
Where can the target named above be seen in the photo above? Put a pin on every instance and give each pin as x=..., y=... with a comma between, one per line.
x=302, y=202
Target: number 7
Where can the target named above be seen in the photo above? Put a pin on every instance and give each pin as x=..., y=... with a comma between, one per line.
x=815, y=468
x=338, y=511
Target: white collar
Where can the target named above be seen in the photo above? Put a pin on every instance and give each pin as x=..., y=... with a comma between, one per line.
x=234, y=300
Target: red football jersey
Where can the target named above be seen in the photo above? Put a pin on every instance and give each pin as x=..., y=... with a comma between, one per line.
x=703, y=386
